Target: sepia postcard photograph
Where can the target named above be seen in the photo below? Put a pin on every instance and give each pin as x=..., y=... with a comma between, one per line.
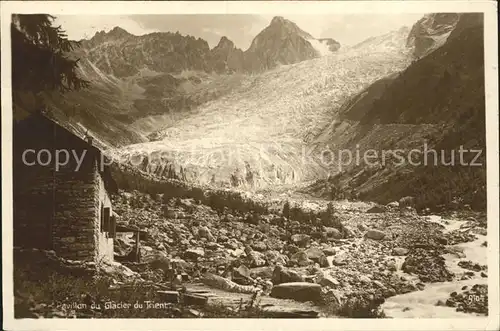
x=250, y=165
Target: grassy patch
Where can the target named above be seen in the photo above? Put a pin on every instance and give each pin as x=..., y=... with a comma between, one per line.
x=358, y=306
x=44, y=292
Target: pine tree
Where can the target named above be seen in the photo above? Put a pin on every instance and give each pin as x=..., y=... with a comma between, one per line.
x=286, y=216
x=41, y=59
x=286, y=210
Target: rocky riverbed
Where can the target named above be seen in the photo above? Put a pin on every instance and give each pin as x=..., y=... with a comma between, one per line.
x=465, y=295
x=412, y=262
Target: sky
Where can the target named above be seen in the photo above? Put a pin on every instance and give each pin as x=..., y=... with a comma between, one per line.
x=348, y=29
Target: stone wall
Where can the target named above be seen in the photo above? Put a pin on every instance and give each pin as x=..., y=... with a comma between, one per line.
x=58, y=209
x=75, y=212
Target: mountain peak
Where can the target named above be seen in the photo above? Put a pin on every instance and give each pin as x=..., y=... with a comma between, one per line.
x=281, y=26
x=278, y=20
x=224, y=42
x=281, y=23
x=118, y=32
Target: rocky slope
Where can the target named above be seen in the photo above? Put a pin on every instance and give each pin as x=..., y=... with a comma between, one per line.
x=122, y=54
x=439, y=101
x=385, y=115
x=349, y=252
x=259, y=134
x=140, y=84
x=226, y=57
x=431, y=32
x=342, y=261
x=169, y=97
x=283, y=42
x=391, y=41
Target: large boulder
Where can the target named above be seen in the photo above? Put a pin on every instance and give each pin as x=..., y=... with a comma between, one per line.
x=194, y=254
x=118, y=271
x=284, y=275
x=256, y=259
x=297, y=291
x=339, y=260
x=262, y=272
x=393, y=205
x=181, y=265
x=329, y=251
x=375, y=234
x=316, y=254
x=319, y=235
x=241, y=271
x=165, y=263
x=300, y=259
x=225, y=284
x=160, y=262
x=204, y=232
x=300, y=239
x=325, y=279
x=241, y=275
x=407, y=202
x=259, y=246
x=333, y=233
x=275, y=257
x=291, y=249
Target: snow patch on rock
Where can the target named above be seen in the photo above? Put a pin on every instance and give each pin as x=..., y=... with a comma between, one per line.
x=320, y=46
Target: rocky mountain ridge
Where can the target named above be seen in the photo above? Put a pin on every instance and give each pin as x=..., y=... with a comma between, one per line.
x=254, y=136
x=141, y=84
x=122, y=54
x=431, y=32
x=376, y=58
x=136, y=93
x=439, y=101
x=308, y=103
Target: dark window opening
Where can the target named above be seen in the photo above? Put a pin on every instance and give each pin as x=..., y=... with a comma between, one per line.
x=102, y=218
x=112, y=228
x=106, y=219
x=108, y=222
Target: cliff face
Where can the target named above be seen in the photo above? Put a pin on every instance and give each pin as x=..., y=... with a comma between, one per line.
x=438, y=100
x=142, y=84
x=256, y=136
x=222, y=117
x=431, y=32
x=225, y=57
x=283, y=42
x=122, y=54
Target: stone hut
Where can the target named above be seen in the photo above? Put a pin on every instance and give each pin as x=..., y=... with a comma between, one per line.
x=62, y=189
